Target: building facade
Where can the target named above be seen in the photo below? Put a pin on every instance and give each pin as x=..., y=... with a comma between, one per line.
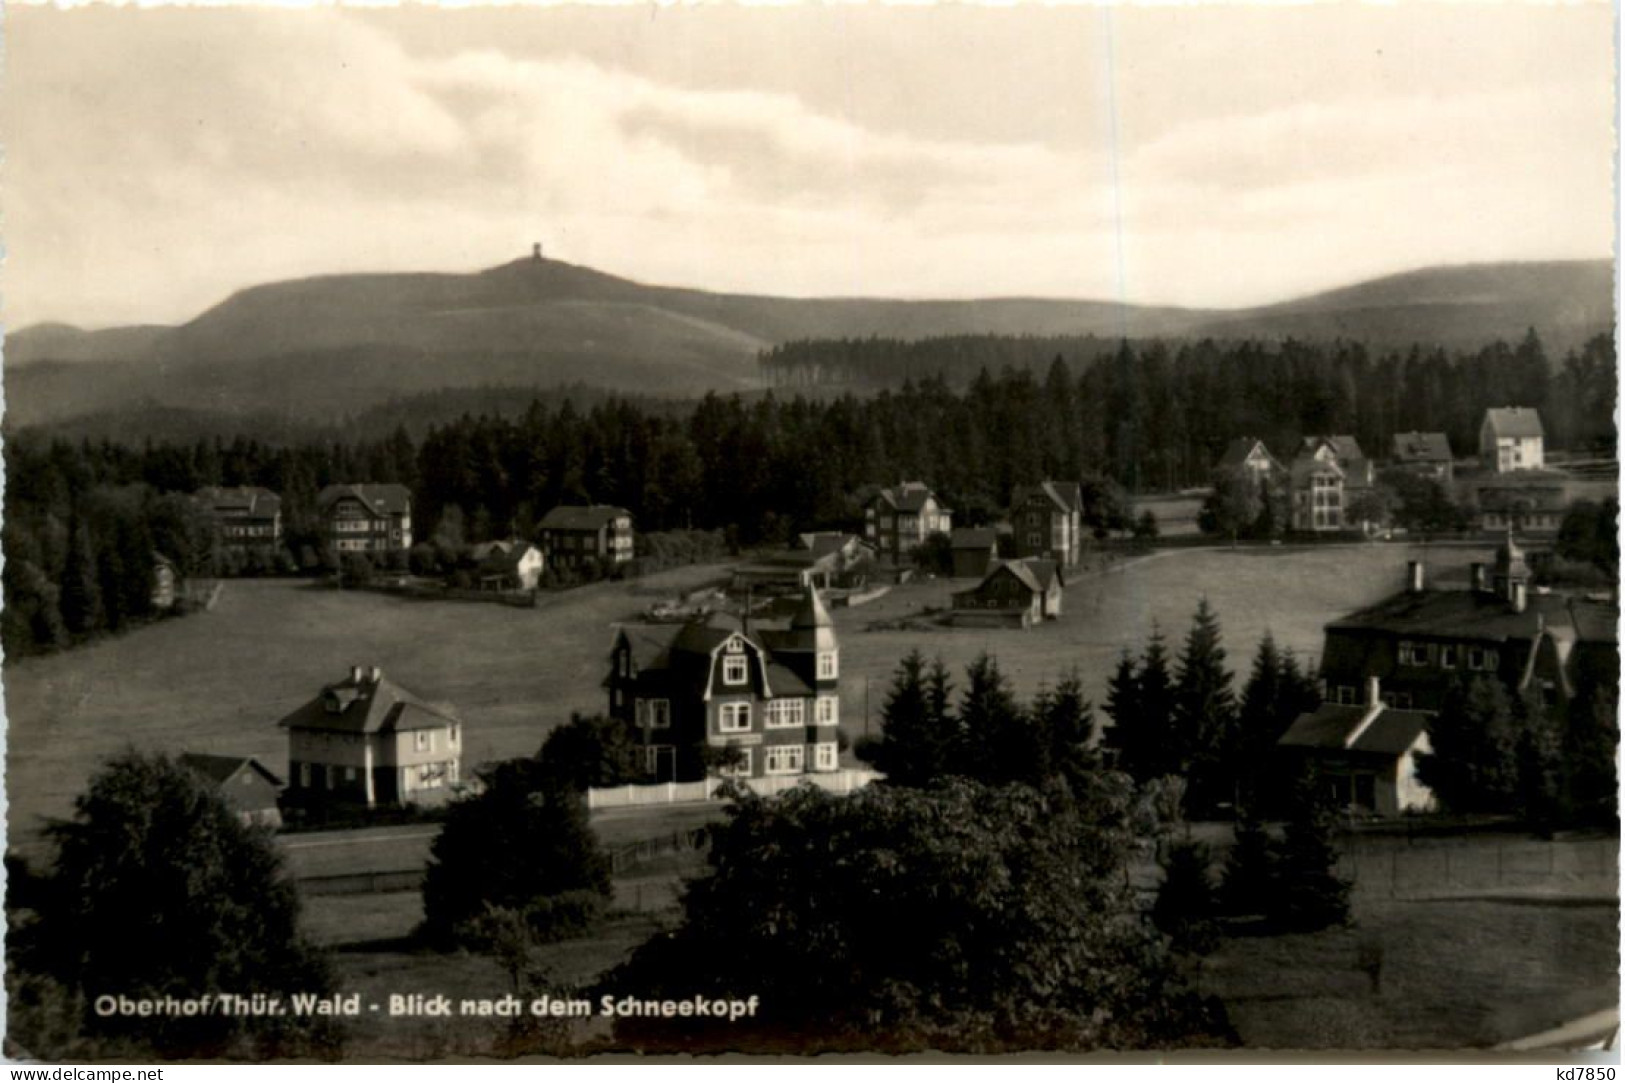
x=898, y=520
x=367, y=741
x=1248, y=454
x=714, y=697
x=1366, y=754
x=1018, y=593
x=510, y=565
x=572, y=534
x=366, y=518
x=1512, y=438
x=247, y=519
x=1048, y=521
x=1318, y=493
x=1425, y=455
x=245, y=784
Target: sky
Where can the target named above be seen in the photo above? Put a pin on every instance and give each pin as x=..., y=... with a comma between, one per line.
x=158, y=159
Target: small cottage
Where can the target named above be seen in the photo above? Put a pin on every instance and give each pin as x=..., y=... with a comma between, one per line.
x=1365, y=753
x=245, y=784
x=1016, y=593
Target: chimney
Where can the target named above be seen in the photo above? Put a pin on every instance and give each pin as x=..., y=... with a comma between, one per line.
x=1415, y=577
x=1373, y=691
x=1520, y=596
x=355, y=674
x=1480, y=578
x=375, y=675
x=536, y=250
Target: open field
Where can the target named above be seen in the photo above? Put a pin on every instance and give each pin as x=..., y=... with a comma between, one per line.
x=219, y=681
x=1455, y=974
x=1290, y=591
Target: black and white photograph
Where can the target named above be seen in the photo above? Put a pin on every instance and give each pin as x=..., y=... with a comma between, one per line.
x=675, y=531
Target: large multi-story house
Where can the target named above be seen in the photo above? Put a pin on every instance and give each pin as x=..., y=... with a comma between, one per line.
x=1420, y=639
x=366, y=518
x=572, y=534
x=1048, y=521
x=898, y=520
x=695, y=693
x=1512, y=438
x=1387, y=669
x=246, y=518
x=1248, y=453
x=1425, y=455
x=1317, y=493
x=367, y=741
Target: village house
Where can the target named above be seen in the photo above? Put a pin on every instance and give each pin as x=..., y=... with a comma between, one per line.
x=1317, y=493
x=898, y=520
x=1424, y=455
x=509, y=565
x=572, y=534
x=1048, y=521
x=696, y=693
x=246, y=518
x=165, y=581
x=1523, y=501
x=1512, y=438
x=366, y=518
x=1248, y=454
x=1016, y=593
x=1418, y=641
x=367, y=741
x=975, y=551
x=245, y=784
x=1366, y=753
x=820, y=558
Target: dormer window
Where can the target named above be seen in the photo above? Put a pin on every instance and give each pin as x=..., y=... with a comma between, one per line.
x=733, y=669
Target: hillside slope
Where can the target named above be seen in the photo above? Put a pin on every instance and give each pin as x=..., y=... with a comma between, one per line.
x=322, y=348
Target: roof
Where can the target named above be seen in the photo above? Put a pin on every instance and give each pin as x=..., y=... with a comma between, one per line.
x=1514, y=421
x=1422, y=447
x=1521, y=498
x=220, y=769
x=974, y=537
x=1374, y=728
x=909, y=496
x=1031, y=572
x=1306, y=466
x=1463, y=614
x=368, y=705
x=248, y=500
x=822, y=543
x=1239, y=450
x=1065, y=495
x=507, y=557
x=583, y=516
x=811, y=612
x=379, y=499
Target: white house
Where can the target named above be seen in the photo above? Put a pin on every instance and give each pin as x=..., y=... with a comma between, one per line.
x=1512, y=438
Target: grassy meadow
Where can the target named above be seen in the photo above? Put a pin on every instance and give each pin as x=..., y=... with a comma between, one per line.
x=219, y=681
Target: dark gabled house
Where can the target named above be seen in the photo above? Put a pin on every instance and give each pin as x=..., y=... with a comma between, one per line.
x=366, y=518
x=1425, y=455
x=1419, y=640
x=975, y=551
x=245, y=784
x=817, y=559
x=1016, y=593
x=246, y=518
x=1048, y=521
x=572, y=534
x=367, y=741
x=898, y=520
x=771, y=695
x=1523, y=501
x=1248, y=453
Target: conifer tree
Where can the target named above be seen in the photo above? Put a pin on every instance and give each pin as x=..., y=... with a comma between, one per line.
x=1307, y=893
x=1205, y=718
x=1001, y=744
x=1185, y=907
x=81, y=599
x=1249, y=869
x=1474, y=740
x=918, y=744
x=1067, y=721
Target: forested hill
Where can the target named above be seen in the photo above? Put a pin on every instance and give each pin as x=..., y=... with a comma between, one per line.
x=319, y=350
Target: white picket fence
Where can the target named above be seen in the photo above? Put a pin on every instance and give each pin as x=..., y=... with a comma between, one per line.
x=681, y=793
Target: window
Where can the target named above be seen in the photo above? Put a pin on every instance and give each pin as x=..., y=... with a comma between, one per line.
x=304, y=776
x=1415, y=654
x=1398, y=700
x=452, y=736
x=330, y=777
x=423, y=740
x=659, y=714
x=740, y=769
x=733, y=718
x=825, y=756
x=1347, y=694
x=828, y=711
x=785, y=760
x=1482, y=659
x=1447, y=656
x=785, y=714
x=431, y=776
x=1548, y=693
x=1035, y=539
x=733, y=669
x=827, y=665
x=349, y=774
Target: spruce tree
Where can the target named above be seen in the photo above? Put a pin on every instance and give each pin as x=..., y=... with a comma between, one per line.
x=1123, y=708
x=1473, y=765
x=1205, y=717
x=1308, y=894
x=1261, y=704
x=917, y=745
x=1185, y=907
x=1248, y=885
x=1001, y=744
x=1158, y=743
x=1067, y=721
x=81, y=599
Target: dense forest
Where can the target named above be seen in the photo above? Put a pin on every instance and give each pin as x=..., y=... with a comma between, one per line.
x=80, y=515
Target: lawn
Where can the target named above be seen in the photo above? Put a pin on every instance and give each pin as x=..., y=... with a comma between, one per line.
x=1290, y=591
x=1456, y=974
x=219, y=681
